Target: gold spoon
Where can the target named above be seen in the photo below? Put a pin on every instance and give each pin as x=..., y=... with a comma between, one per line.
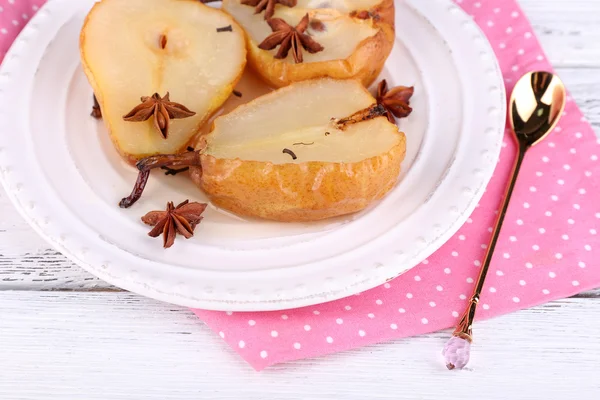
x=536, y=104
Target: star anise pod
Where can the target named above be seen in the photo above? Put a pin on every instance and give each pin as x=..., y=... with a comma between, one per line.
x=289, y=37
x=181, y=219
x=396, y=100
x=163, y=110
x=269, y=5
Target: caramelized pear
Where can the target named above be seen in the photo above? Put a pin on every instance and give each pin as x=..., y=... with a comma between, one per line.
x=134, y=51
x=309, y=151
x=356, y=38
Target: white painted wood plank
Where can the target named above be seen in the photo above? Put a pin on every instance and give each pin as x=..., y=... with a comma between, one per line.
x=584, y=84
x=108, y=346
x=567, y=29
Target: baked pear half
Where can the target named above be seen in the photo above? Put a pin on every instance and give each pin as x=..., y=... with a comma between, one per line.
x=294, y=40
x=309, y=151
x=159, y=69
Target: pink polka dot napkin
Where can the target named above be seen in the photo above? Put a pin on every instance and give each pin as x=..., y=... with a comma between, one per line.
x=545, y=252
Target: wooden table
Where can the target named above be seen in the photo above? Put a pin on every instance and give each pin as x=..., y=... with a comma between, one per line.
x=67, y=335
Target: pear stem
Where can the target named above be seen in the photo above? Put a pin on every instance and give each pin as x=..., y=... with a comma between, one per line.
x=373, y=111
x=138, y=189
x=190, y=158
x=145, y=165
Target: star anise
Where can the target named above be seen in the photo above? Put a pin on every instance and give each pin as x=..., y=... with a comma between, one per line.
x=163, y=110
x=182, y=219
x=269, y=5
x=396, y=100
x=289, y=37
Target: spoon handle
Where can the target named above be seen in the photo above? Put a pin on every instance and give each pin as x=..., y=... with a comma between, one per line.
x=464, y=328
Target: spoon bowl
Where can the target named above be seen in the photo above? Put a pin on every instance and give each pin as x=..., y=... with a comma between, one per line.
x=536, y=105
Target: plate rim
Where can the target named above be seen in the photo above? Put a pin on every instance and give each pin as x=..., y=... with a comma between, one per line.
x=232, y=304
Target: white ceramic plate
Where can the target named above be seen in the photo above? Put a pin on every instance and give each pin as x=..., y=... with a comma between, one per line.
x=62, y=173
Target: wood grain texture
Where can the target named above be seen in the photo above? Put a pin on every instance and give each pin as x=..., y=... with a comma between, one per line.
x=568, y=30
x=99, y=346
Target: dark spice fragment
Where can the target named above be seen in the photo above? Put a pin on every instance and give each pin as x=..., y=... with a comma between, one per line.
x=361, y=14
x=327, y=133
x=291, y=153
x=227, y=28
x=317, y=25
x=190, y=148
x=96, y=112
x=236, y=93
x=162, y=41
x=171, y=171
